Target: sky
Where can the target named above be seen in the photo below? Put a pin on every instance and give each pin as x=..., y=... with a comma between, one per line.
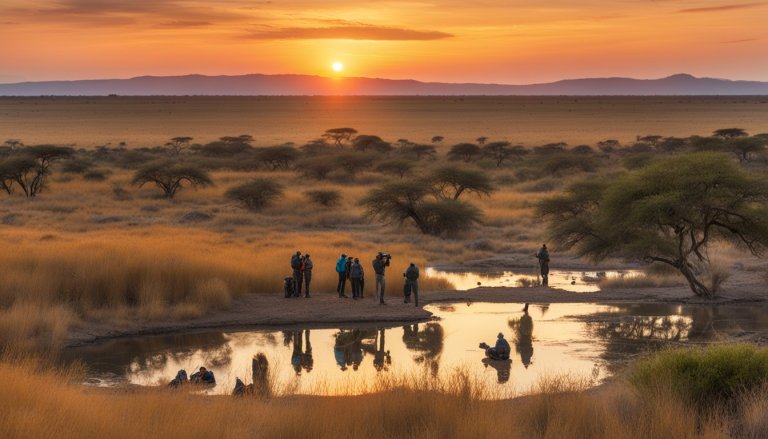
x=490, y=41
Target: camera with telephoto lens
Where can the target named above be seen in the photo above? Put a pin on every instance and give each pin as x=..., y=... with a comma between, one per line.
x=385, y=255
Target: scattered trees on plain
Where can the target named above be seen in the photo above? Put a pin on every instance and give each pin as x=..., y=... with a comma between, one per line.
x=670, y=212
x=170, y=176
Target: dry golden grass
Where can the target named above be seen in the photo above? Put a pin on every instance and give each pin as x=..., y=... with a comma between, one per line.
x=648, y=280
x=41, y=404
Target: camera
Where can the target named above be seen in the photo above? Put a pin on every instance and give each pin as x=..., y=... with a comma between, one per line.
x=385, y=255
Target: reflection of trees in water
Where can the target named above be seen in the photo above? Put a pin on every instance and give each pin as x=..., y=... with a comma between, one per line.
x=350, y=346
x=630, y=335
x=523, y=331
x=426, y=342
x=156, y=352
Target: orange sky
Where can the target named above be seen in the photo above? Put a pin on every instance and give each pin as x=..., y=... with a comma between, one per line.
x=504, y=41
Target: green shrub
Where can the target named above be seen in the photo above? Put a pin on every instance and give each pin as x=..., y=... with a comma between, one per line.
x=703, y=376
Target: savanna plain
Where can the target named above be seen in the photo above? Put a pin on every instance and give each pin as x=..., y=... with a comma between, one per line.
x=129, y=216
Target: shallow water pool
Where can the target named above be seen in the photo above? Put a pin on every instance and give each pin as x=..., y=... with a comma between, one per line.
x=585, y=340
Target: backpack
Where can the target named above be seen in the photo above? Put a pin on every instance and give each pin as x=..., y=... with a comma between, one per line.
x=295, y=262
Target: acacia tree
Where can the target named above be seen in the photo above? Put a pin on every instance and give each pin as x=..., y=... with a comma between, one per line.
x=409, y=200
x=503, y=150
x=667, y=212
x=729, y=133
x=177, y=144
x=170, y=176
x=256, y=194
x=30, y=168
x=449, y=182
x=464, y=151
x=339, y=135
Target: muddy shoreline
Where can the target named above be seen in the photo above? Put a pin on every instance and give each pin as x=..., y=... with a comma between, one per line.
x=264, y=311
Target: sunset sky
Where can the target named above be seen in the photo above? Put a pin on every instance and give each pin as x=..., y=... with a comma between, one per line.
x=503, y=41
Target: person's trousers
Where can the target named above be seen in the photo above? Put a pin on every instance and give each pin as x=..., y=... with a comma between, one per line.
x=307, y=280
x=342, y=282
x=544, y=273
x=412, y=289
x=297, y=277
x=355, y=287
x=380, y=287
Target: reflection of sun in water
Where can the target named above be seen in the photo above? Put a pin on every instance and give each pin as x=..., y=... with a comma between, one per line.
x=337, y=67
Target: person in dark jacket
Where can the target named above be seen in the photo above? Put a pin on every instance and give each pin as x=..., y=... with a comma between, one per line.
x=307, y=274
x=341, y=269
x=296, y=265
x=498, y=352
x=411, y=283
x=355, y=276
x=379, y=266
x=543, y=256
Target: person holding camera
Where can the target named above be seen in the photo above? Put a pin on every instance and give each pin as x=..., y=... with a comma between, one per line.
x=411, y=276
x=379, y=265
x=341, y=269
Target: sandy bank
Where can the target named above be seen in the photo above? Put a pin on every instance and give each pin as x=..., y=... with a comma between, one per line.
x=269, y=310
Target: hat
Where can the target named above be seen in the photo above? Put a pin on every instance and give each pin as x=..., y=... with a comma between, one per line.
x=501, y=335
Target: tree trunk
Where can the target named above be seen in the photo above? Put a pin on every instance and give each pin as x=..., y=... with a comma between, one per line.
x=697, y=287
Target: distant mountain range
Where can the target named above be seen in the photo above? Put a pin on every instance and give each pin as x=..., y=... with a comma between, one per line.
x=303, y=85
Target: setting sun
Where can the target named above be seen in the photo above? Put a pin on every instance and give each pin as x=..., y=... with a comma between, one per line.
x=337, y=66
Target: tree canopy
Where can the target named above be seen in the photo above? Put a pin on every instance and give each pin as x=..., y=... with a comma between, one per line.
x=170, y=176
x=669, y=212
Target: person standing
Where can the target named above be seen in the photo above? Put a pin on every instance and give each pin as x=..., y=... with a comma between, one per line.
x=341, y=269
x=543, y=256
x=379, y=266
x=296, y=262
x=355, y=276
x=307, y=274
x=412, y=283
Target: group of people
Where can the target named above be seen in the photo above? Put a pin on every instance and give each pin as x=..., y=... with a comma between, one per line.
x=350, y=270
x=202, y=376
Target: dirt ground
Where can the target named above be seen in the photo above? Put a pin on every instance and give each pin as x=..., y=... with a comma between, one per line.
x=747, y=284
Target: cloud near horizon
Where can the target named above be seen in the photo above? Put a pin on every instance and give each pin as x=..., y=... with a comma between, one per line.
x=721, y=8
x=359, y=32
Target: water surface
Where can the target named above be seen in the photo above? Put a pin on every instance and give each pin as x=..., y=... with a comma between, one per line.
x=587, y=340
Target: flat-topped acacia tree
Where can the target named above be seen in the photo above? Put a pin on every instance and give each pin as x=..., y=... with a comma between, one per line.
x=669, y=211
x=170, y=176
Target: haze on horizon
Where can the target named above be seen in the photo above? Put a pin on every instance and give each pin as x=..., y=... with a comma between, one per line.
x=500, y=41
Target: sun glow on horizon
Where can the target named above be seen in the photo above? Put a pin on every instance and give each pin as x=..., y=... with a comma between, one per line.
x=337, y=67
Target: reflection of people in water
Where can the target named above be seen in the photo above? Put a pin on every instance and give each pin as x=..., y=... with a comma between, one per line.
x=307, y=362
x=296, y=355
x=426, y=342
x=301, y=358
x=523, y=329
x=503, y=368
x=381, y=358
x=348, y=349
